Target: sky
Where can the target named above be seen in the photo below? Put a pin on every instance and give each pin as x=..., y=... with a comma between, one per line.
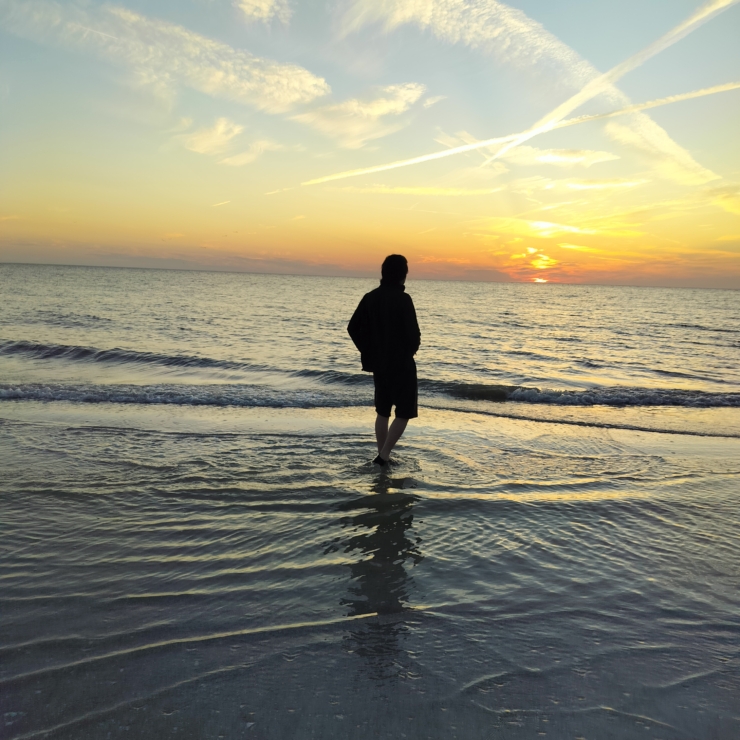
x=577, y=141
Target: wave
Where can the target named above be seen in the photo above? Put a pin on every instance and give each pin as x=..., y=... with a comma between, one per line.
x=618, y=396
x=266, y=396
x=608, y=396
x=325, y=391
x=249, y=396
x=700, y=327
x=38, y=351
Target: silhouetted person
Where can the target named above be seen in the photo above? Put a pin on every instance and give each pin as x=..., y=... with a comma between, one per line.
x=385, y=330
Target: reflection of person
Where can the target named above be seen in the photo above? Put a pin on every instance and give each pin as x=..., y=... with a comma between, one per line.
x=381, y=539
x=385, y=330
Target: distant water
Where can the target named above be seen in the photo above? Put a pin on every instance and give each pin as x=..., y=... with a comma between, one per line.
x=193, y=543
x=96, y=335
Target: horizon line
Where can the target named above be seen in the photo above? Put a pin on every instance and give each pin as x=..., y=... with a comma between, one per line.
x=362, y=277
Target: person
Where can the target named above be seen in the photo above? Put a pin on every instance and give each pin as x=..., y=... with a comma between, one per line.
x=385, y=330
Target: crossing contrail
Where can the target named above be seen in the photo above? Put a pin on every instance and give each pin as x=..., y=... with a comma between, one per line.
x=505, y=139
x=601, y=83
x=555, y=118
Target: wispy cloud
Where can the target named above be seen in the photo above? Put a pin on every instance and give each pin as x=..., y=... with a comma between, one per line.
x=9, y=218
x=429, y=102
x=265, y=10
x=528, y=155
x=526, y=228
x=430, y=191
x=727, y=198
x=213, y=140
x=255, y=150
x=355, y=121
x=161, y=55
x=578, y=247
x=515, y=39
x=222, y=203
x=533, y=228
x=602, y=184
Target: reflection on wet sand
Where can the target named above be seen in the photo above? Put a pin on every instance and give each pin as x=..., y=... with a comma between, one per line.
x=381, y=541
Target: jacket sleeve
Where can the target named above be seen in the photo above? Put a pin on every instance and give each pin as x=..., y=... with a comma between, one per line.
x=358, y=328
x=413, y=333
x=360, y=331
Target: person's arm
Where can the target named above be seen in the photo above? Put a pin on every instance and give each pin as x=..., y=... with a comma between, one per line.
x=357, y=327
x=411, y=325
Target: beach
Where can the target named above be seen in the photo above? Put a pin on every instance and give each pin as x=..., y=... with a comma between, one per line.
x=195, y=543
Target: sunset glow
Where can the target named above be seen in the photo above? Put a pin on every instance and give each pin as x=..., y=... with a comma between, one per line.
x=522, y=142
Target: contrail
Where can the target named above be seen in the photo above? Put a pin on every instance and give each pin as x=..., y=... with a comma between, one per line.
x=92, y=30
x=651, y=104
x=554, y=119
x=415, y=160
x=600, y=84
x=504, y=139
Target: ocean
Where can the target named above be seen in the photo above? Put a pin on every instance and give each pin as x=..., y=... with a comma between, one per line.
x=195, y=543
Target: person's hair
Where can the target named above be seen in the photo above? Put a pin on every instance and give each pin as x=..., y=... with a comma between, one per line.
x=395, y=268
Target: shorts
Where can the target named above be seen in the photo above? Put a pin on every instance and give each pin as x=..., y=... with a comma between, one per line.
x=397, y=387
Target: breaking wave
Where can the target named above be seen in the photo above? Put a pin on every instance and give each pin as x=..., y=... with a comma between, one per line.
x=328, y=387
x=266, y=396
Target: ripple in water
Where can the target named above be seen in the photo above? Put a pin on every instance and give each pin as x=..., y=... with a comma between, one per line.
x=503, y=579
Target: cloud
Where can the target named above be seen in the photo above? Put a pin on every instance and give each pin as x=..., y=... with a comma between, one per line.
x=514, y=39
x=525, y=228
x=429, y=102
x=10, y=218
x=214, y=140
x=537, y=184
x=354, y=121
x=528, y=155
x=679, y=168
x=579, y=247
x=385, y=190
x=254, y=151
x=601, y=184
x=163, y=56
x=726, y=197
x=531, y=228
x=265, y=10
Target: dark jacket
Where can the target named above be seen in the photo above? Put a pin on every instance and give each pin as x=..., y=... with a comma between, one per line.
x=384, y=329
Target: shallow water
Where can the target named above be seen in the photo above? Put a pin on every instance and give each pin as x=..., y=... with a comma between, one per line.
x=506, y=577
x=204, y=569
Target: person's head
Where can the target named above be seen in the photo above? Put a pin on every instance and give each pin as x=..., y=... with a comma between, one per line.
x=394, y=269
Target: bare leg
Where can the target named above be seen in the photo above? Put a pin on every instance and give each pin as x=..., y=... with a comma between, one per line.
x=381, y=430
x=394, y=434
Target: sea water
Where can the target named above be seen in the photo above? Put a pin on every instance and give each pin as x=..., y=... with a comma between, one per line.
x=195, y=544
